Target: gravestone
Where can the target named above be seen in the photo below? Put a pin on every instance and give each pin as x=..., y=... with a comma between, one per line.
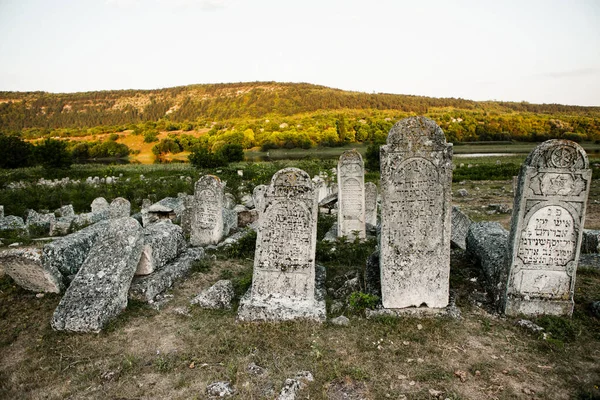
x=39, y=224
x=370, y=205
x=416, y=176
x=99, y=291
x=25, y=266
x=546, y=229
x=99, y=204
x=120, y=208
x=351, y=195
x=207, y=211
x=284, y=278
x=460, y=227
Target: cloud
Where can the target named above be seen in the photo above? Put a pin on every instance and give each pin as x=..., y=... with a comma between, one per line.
x=572, y=73
x=208, y=5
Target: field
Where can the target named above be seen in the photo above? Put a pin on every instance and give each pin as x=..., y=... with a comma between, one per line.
x=177, y=350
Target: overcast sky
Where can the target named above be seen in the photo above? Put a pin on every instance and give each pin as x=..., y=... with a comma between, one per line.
x=538, y=51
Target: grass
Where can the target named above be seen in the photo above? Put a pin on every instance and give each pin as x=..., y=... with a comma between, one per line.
x=146, y=353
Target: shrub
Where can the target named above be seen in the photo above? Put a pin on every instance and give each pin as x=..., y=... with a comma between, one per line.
x=201, y=157
x=15, y=152
x=53, y=154
x=232, y=152
x=360, y=301
x=372, y=157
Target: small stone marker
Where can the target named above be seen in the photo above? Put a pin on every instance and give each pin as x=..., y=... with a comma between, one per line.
x=99, y=291
x=370, y=205
x=1, y=211
x=120, y=208
x=99, y=205
x=460, y=227
x=547, y=225
x=25, y=266
x=284, y=277
x=207, y=218
x=351, y=195
x=39, y=224
x=416, y=176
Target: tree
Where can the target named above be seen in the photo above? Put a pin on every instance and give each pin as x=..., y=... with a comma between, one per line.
x=232, y=152
x=53, y=154
x=201, y=157
x=15, y=152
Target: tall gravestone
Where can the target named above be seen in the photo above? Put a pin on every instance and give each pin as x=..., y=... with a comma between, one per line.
x=370, y=205
x=416, y=177
x=283, y=281
x=546, y=229
x=207, y=211
x=351, y=195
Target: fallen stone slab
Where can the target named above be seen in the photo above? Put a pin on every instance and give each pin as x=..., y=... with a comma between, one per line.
x=13, y=223
x=216, y=297
x=68, y=253
x=146, y=288
x=99, y=291
x=487, y=243
x=25, y=266
x=61, y=226
x=460, y=227
x=39, y=224
x=163, y=242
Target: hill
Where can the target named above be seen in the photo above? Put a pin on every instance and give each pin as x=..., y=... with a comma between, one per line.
x=284, y=115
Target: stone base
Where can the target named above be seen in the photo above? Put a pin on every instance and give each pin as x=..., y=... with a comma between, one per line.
x=146, y=288
x=285, y=309
x=419, y=312
x=533, y=307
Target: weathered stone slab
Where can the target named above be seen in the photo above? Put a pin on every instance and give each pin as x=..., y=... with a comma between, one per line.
x=65, y=211
x=546, y=231
x=99, y=291
x=207, y=220
x=68, y=253
x=229, y=201
x=258, y=195
x=61, y=226
x=460, y=227
x=1, y=212
x=216, y=297
x=13, y=223
x=99, y=204
x=487, y=243
x=39, y=224
x=163, y=242
x=230, y=221
x=370, y=205
x=120, y=208
x=416, y=176
x=284, y=280
x=25, y=266
x=146, y=288
x=351, y=195
x=590, y=243
x=171, y=208
x=187, y=215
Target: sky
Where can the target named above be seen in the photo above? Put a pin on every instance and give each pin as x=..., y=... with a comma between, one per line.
x=544, y=51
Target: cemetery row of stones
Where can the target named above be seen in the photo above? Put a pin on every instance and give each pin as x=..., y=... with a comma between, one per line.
x=530, y=270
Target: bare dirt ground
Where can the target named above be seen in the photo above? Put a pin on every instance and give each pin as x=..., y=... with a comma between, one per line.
x=175, y=352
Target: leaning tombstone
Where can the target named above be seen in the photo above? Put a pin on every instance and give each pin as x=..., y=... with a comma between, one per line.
x=99, y=291
x=351, y=195
x=25, y=266
x=546, y=229
x=284, y=281
x=460, y=227
x=416, y=177
x=370, y=205
x=207, y=217
x=39, y=224
x=119, y=208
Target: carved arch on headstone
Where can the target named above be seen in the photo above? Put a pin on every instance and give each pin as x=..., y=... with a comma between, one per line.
x=413, y=133
x=558, y=153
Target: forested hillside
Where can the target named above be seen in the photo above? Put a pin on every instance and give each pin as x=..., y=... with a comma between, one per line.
x=270, y=114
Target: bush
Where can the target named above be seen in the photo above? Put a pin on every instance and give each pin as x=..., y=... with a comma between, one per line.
x=360, y=301
x=372, y=157
x=109, y=150
x=201, y=157
x=232, y=152
x=150, y=137
x=15, y=152
x=53, y=154
x=166, y=146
